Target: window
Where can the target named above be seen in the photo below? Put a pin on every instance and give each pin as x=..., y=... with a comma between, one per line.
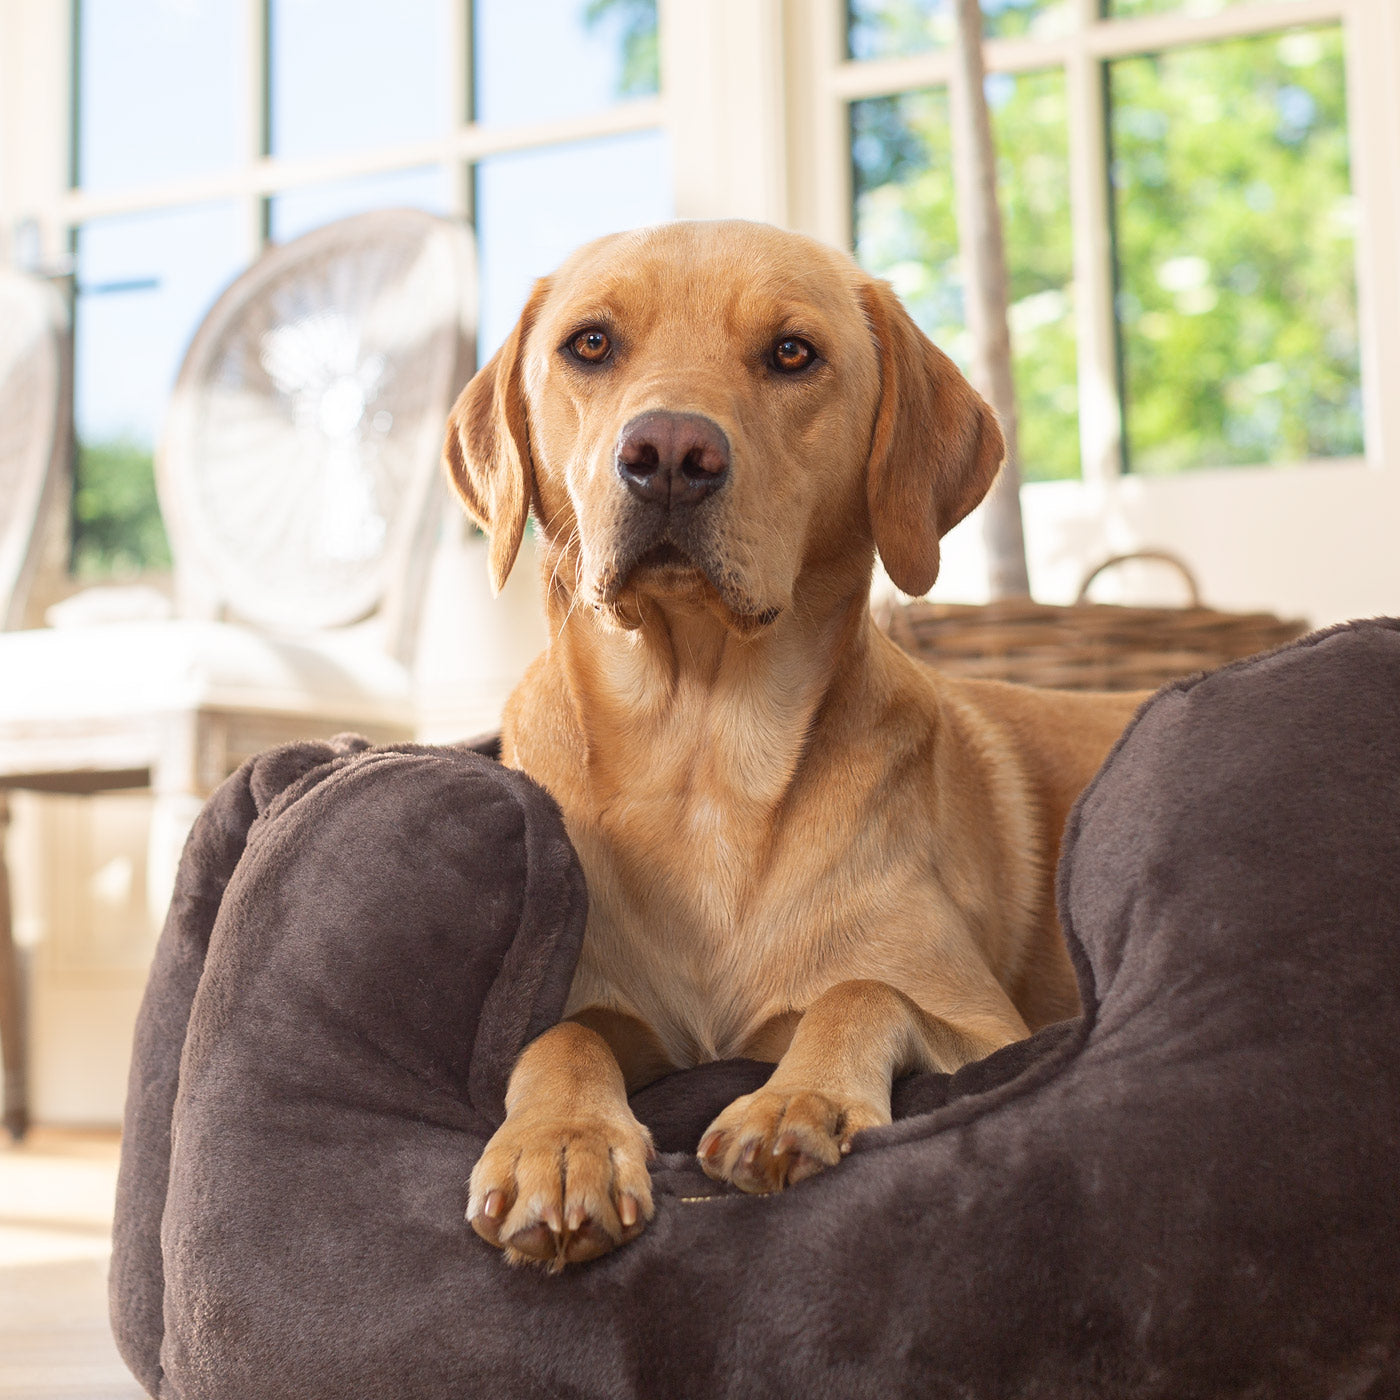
x=1200, y=198
x=1221, y=160
x=341, y=79
x=150, y=104
x=901, y=28
x=905, y=229
x=203, y=127
x=551, y=61
x=1235, y=253
x=143, y=283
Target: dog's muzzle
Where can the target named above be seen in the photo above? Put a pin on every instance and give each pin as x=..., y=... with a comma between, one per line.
x=670, y=463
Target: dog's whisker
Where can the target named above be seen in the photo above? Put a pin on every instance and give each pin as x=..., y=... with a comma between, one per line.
x=574, y=537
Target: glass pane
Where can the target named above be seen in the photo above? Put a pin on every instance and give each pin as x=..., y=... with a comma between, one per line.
x=1123, y=9
x=1235, y=241
x=535, y=207
x=906, y=230
x=899, y=28
x=298, y=211
x=558, y=58
x=154, y=103
x=346, y=74
x=144, y=284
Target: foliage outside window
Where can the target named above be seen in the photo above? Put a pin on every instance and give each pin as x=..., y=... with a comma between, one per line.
x=898, y=28
x=1233, y=234
x=1235, y=243
x=906, y=230
x=117, y=527
x=637, y=43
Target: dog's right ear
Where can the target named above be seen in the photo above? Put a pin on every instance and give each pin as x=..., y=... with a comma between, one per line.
x=487, y=452
x=935, y=450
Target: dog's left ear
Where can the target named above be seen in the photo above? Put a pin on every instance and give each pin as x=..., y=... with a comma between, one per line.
x=935, y=450
x=487, y=452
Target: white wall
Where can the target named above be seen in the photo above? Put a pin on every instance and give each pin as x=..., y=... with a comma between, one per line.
x=33, y=114
x=474, y=648
x=81, y=920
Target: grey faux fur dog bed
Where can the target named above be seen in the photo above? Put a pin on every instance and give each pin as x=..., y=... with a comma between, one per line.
x=1192, y=1191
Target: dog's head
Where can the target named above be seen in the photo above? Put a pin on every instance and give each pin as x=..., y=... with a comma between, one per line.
x=704, y=412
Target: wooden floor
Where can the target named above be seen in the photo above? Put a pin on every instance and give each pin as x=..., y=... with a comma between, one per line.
x=55, y=1219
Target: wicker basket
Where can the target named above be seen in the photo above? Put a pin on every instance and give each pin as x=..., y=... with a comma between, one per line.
x=1086, y=646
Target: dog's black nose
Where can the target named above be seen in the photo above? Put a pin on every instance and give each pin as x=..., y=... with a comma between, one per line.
x=672, y=459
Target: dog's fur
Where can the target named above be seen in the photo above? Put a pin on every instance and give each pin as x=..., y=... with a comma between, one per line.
x=800, y=844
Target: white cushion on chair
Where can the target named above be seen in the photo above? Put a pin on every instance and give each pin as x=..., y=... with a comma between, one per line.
x=144, y=667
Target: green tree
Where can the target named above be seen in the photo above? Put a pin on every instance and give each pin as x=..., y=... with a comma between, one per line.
x=640, y=55
x=1233, y=212
x=117, y=528
x=906, y=229
x=1233, y=231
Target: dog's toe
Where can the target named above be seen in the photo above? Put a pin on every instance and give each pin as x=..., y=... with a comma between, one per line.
x=771, y=1139
x=553, y=1192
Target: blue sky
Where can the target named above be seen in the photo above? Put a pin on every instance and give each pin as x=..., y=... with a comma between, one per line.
x=163, y=94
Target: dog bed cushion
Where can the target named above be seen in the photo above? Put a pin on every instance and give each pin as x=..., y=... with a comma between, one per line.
x=1190, y=1191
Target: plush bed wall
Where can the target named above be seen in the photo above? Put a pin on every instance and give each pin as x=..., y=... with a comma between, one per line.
x=1190, y=1191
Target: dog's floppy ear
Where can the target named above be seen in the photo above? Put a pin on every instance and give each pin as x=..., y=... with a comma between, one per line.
x=935, y=450
x=487, y=452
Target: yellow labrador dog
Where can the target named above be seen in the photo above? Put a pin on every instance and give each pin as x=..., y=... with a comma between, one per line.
x=800, y=844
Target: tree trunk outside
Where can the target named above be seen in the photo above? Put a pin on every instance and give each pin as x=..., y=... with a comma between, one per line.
x=984, y=264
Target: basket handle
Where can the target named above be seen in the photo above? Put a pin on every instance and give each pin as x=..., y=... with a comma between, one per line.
x=1160, y=556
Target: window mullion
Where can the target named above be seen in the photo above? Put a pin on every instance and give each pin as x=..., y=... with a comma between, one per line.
x=1100, y=410
x=461, y=106
x=257, y=140
x=1372, y=38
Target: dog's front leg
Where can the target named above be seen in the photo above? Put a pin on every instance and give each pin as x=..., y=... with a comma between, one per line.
x=564, y=1178
x=834, y=1080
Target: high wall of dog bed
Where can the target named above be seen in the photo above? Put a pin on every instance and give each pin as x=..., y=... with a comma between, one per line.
x=1191, y=1191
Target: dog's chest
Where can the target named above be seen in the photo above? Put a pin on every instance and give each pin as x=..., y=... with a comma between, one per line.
x=698, y=951
x=711, y=910
x=719, y=841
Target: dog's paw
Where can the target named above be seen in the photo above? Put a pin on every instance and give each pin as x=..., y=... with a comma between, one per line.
x=555, y=1190
x=771, y=1139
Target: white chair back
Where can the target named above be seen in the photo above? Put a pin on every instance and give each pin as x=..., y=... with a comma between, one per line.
x=35, y=413
x=298, y=472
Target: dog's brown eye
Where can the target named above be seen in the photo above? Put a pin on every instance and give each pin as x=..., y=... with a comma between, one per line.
x=791, y=354
x=592, y=347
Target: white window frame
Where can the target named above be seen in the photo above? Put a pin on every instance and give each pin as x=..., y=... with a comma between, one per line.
x=754, y=99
